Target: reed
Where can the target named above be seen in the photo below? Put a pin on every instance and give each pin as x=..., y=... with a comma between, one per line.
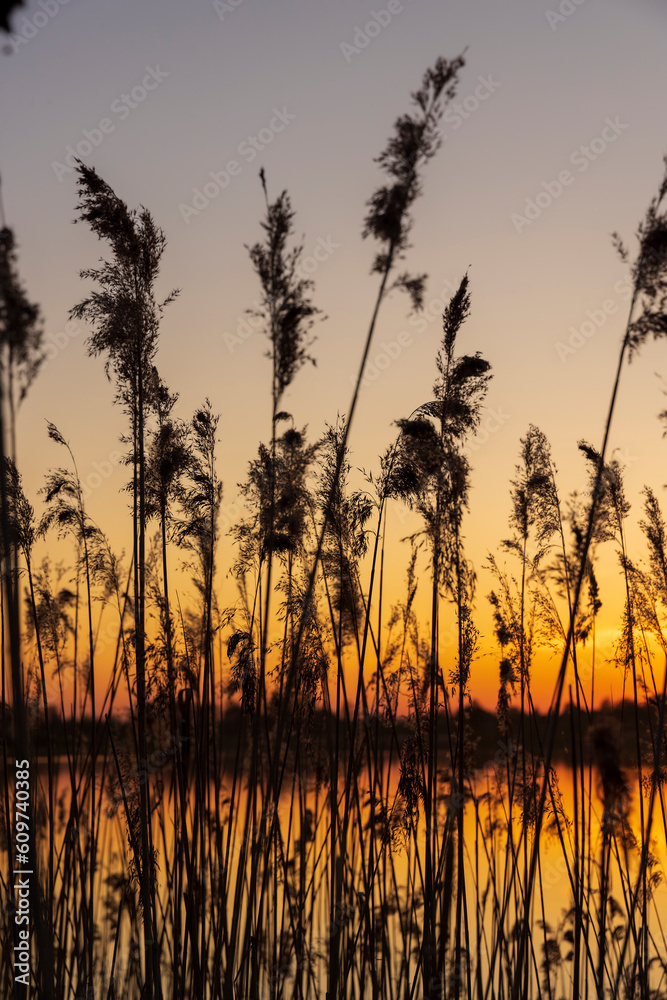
x=294, y=795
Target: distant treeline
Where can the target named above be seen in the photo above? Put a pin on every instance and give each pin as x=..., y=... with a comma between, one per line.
x=487, y=742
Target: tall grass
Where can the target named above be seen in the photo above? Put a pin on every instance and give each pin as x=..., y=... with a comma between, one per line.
x=295, y=795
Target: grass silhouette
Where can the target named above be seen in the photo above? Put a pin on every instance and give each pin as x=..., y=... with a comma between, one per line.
x=241, y=815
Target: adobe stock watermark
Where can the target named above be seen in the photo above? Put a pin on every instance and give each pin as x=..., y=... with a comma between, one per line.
x=581, y=158
x=54, y=343
x=121, y=108
x=102, y=471
x=32, y=25
x=364, y=35
x=222, y=7
x=249, y=149
x=595, y=320
x=391, y=350
x=460, y=111
x=565, y=10
x=492, y=422
x=229, y=514
x=108, y=637
x=249, y=324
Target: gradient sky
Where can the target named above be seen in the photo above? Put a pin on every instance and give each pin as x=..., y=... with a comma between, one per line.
x=553, y=82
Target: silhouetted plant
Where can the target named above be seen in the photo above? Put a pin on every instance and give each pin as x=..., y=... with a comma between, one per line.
x=286, y=309
x=125, y=317
x=432, y=472
x=275, y=756
x=21, y=334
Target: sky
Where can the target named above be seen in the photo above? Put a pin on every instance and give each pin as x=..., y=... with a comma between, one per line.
x=555, y=140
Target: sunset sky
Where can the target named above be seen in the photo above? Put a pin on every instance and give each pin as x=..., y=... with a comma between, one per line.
x=555, y=140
